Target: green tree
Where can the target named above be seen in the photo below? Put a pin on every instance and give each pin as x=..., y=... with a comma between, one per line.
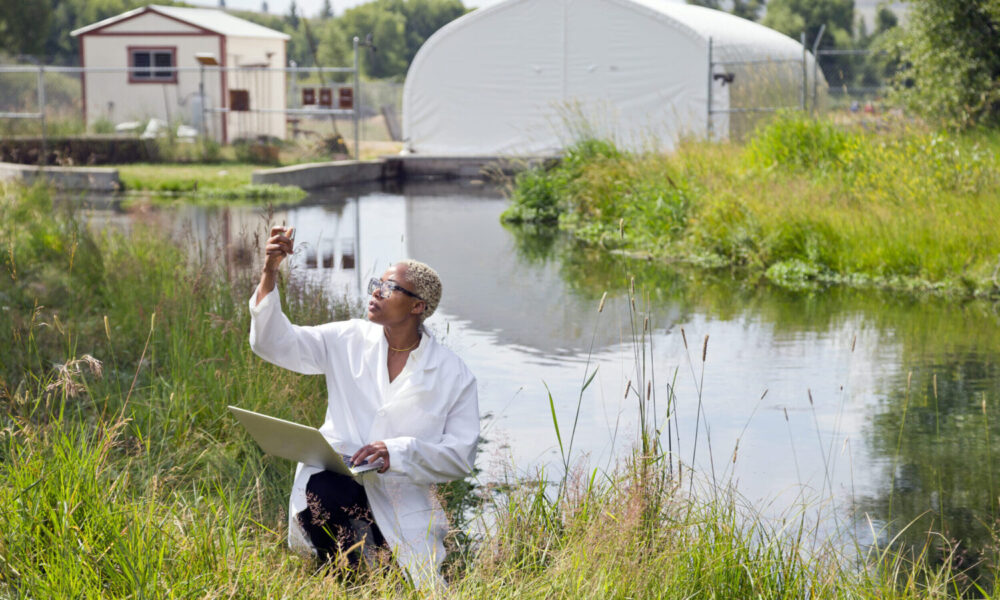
x=746, y=9
x=792, y=17
x=398, y=28
x=20, y=23
x=952, y=61
x=327, y=11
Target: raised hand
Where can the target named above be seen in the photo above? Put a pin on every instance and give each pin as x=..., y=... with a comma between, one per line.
x=279, y=245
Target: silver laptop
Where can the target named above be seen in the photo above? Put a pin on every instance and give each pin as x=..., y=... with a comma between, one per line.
x=298, y=442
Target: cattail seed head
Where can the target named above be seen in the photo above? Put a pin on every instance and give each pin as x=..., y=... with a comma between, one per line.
x=600, y=307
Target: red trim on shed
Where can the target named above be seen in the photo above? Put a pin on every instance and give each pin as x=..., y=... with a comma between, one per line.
x=150, y=9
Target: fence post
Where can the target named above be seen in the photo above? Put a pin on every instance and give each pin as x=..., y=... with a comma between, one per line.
x=41, y=112
x=819, y=36
x=357, y=103
x=711, y=67
x=805, y=73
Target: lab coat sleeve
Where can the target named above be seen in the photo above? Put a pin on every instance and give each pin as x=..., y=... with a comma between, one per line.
x=276, y=340
x=450, y=457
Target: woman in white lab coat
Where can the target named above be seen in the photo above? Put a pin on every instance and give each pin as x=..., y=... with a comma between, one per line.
x=394, y=394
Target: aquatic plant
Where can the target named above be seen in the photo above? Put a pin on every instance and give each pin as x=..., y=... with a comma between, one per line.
x=804, y=202
x=121, y=475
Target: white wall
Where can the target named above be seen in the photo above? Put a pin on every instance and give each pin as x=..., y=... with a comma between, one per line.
x=110, y=95
x=266, y=88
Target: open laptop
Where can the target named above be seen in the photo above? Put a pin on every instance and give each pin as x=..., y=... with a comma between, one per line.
x=298, y=442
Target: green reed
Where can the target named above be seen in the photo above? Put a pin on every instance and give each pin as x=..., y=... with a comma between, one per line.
x=803, y=202
x=122, y=477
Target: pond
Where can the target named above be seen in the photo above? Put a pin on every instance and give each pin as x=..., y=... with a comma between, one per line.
x=873, y=408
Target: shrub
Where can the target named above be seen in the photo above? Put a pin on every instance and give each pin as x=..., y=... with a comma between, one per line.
x=796, y=142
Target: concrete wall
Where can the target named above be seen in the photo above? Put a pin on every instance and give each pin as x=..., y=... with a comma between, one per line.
x=320, y=175
x=93, y=179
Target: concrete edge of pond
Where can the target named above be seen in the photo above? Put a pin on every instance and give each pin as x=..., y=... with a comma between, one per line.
x=93, y=179
x=398, y=167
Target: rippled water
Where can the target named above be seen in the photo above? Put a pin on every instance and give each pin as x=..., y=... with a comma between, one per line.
x=885, y=403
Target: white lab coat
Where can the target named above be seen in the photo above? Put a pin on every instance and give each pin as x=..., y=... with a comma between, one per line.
x=428, y=418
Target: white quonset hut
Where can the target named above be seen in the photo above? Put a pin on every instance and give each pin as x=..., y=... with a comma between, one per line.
x=169, y=36
x=530, y=76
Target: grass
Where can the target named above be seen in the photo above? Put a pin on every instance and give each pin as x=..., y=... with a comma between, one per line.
x=203, y=182
x=803, y=203
x=121, y=475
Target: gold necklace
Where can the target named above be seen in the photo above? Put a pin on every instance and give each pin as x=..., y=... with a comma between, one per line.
x=403, y=349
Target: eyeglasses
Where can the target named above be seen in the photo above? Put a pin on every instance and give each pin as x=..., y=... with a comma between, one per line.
x=386, y=288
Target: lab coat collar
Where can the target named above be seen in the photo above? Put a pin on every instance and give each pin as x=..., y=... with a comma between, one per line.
x=428, y=351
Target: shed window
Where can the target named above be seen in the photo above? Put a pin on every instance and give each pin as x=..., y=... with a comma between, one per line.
x=153, y=58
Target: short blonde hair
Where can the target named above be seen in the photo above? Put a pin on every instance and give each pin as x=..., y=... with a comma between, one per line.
x=425, y=283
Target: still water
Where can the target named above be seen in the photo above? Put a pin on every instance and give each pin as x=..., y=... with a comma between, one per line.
x=862, y=404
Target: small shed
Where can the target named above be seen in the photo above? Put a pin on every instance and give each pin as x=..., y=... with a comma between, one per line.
x=168, y=36
x=530, y=76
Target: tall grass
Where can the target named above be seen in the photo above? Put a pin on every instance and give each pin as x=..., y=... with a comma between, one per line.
x=121, y=476
x=803, y=202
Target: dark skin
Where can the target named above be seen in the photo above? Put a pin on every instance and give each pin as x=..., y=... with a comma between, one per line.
x=399, y=315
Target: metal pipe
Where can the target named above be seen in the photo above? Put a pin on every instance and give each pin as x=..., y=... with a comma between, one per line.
x=292, y=111
x=708, y=125
x=805, y=74
x=41, y=111
x=201, y=96
x=57, y=69
x=815, y=49
x=357, y=103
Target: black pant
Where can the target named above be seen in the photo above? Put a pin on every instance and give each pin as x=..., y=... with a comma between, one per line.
x=338, y=517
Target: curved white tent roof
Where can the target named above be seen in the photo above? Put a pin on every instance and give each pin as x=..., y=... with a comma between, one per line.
x=528, y=76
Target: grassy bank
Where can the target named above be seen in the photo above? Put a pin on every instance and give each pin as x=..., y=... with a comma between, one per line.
x=122, y=476
x=803, y=203
x=203, y=182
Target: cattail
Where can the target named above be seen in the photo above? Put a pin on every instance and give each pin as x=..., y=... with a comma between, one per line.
x=984, y=404
x=627, y=387
x=649, y=390
x=600, y=307
x=764, y=394
x=645, y=325
x=786, y=413
x=853, y=342
x=810, y=392
x=621, y=228
x=152, y=322
x=935, y=386
x=684, y=337
x=736, y=449
x=704, y=349
x=107, y=328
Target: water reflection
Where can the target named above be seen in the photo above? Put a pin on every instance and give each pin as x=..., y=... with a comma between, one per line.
x=887, y=404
